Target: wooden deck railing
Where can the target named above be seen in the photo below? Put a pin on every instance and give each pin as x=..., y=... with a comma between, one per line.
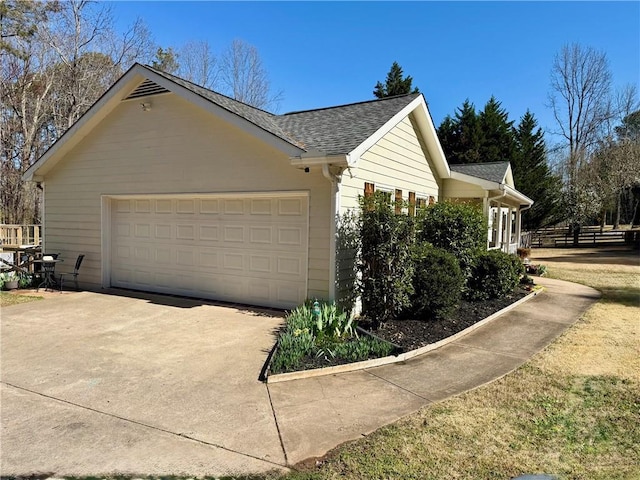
x=16, y=235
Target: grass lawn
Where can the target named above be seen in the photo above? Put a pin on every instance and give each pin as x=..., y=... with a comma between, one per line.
x=7, y=299
x=572, y=411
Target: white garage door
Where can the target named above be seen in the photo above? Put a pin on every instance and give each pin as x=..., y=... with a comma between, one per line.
x=250, y=249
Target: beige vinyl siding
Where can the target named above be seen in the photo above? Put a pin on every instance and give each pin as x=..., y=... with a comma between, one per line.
x=174, y=148
x=458, y=189
x=397, y=161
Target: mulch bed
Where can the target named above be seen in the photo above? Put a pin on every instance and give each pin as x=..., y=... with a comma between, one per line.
x=410, y=334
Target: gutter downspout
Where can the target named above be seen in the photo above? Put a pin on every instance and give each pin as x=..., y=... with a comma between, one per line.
x=335, y=210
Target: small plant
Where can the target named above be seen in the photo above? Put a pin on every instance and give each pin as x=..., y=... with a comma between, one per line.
x=362, y=349
x=293, y=346
x=320, y=330
x=526, y=280
x=24, y=280
x=523, y=252
x=332, y=323
x=9, y=280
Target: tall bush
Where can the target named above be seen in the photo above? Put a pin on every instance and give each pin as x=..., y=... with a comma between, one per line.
x=494, y=275
x=437, y=282
x=458, y=228
x=385, y=262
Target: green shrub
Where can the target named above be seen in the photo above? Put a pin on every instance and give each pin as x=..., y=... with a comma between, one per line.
x=437, y=282
x=494, y=275
x=385, y=259
x=458, y=228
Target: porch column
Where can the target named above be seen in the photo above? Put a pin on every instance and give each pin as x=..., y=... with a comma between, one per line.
x=499, y=239
x=509, y=228
x=518, y=226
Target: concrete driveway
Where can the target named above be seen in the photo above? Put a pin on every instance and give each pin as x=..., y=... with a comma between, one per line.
x=97, y=383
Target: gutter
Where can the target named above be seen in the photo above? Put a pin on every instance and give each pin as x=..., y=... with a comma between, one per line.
x=335, y=211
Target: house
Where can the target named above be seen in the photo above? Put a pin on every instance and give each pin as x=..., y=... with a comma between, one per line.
x=169, y=187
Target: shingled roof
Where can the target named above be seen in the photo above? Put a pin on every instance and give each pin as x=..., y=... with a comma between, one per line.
x=339, y=130
x=492, y=171
x=331, y=131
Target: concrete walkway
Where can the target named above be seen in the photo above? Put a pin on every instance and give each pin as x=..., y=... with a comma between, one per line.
x=154, y=408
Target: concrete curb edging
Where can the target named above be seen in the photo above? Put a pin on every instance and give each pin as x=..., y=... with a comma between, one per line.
x=377, y=362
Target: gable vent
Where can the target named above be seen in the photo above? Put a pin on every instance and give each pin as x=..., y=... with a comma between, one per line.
x=145, y=89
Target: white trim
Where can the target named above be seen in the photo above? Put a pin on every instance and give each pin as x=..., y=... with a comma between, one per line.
x=105, y=239
x=228, y=194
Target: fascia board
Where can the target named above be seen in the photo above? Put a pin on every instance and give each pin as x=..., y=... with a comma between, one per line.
x=508, y=177
x=520, y=197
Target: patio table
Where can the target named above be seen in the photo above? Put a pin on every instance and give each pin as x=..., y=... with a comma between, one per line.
x=49, y=280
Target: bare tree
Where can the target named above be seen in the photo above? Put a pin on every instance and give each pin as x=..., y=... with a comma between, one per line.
x=198, y=63
x=243, y=77
x=580, y=99
x=616, y=161
x=50, y=77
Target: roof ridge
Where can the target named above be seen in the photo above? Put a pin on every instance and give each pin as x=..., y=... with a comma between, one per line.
x=349, y=104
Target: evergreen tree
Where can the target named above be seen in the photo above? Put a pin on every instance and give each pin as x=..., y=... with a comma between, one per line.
x=460, y=136
x=532, y=176
x=498, y=143
x=489, y=136
x=165, y=60
x=396, y=84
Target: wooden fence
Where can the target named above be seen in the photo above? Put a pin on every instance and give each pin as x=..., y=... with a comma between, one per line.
x=16, y=235
x=588, y=237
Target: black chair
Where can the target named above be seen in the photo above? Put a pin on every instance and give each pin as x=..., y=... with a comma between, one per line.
x=73, y=274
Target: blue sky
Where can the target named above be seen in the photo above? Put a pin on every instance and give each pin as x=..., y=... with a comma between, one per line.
x=330, y=53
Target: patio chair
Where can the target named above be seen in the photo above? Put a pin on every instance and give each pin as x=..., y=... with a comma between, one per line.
x=73, y=274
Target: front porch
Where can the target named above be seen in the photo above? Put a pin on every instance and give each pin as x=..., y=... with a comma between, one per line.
x=504, y=227
x=491, y=186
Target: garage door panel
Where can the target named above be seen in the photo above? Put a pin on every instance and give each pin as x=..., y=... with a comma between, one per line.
x=249, y=250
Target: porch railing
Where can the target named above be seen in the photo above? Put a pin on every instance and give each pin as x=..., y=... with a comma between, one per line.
x=16, y=235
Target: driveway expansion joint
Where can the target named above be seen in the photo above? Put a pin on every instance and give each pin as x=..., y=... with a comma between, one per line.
x=142, y=424
x=275, y=420
x=461, y=344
